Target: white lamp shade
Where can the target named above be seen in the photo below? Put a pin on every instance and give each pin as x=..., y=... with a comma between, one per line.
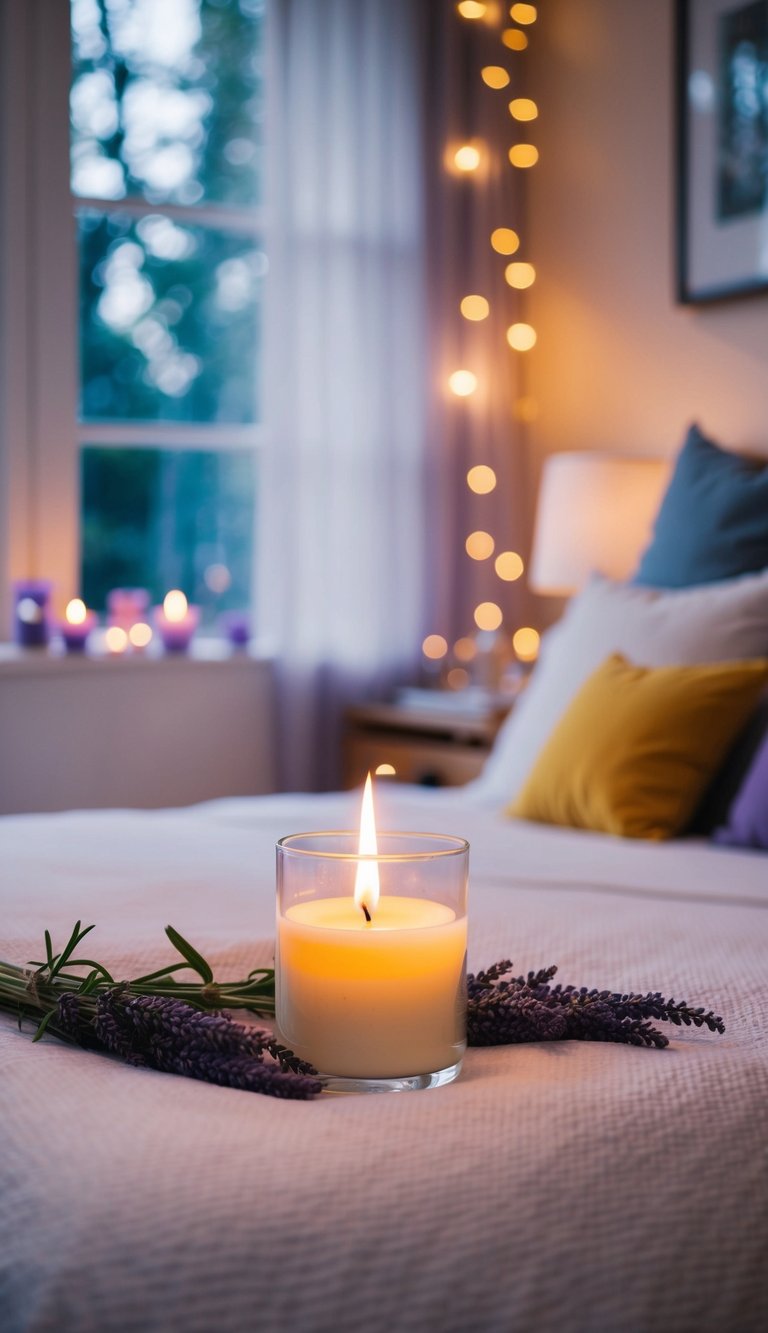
x=594, y=515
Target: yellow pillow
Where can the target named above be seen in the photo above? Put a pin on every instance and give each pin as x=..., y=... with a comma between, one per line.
x=637, y=746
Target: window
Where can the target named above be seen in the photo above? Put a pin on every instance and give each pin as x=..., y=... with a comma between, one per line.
x=142, y=420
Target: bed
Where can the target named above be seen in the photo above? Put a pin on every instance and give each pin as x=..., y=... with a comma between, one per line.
x=567, y=1186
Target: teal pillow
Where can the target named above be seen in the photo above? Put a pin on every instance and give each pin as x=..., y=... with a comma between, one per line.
x=713, y=520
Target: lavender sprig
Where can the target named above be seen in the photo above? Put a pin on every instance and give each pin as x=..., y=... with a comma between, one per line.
x=503, y=1008
x=171, y=1036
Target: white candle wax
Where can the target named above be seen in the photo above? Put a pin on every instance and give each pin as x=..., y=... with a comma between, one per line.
x=378, y=999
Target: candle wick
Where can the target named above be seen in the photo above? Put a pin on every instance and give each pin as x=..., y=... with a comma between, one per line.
x=368, y=916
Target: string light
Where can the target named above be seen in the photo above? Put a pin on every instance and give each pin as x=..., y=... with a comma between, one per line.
x=385, y=771
x=495, y=76
x=521, y=337
x=525, y=642
x=523, y=155
x=475, y=307
x=505, y=241
x=462, y=383
x=522, y=13
x=514, y=39
x=488, y=616
x=465, y=650
x=523, y=108
x=434, y=647
x=467, y=158
x=481, y=479
x=479, y=545
x=520, y=274
x=509, y=566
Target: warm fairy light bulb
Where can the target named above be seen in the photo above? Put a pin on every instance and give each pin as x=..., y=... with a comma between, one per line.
x=467, y=158
x=523, y=155
x=385, y=771
x=434, y=647
x=140, y=634
x=481, y=479
x=367, y=877
x=479, y=545
x=457, y=678
x=521, y=337
x=494, y=76
x=175, y=606
x=520, y=274
x=75, y=611
x=488, y=615
x=514, y=39
x=465, y=650
x=523, y=13
x=509, y=566
x=525, y=642
x=505, y=241
x=462, y=383
x=523, y=108
x=474, y=307
x=471, y=9
x=116, y=639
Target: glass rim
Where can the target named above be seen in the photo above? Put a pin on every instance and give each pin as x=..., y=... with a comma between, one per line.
x=459, y=847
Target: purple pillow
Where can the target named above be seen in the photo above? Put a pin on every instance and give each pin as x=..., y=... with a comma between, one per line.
x=748, y=816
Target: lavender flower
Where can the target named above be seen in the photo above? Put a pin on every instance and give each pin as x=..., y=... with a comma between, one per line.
x=172, y=1036
x=503, y=1009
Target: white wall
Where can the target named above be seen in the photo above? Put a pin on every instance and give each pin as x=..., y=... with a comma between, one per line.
x=618, y=364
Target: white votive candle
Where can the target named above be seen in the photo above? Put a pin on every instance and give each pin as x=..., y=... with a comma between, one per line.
x=371, y=952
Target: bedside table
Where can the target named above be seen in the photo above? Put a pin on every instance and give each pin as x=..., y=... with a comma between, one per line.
x=424, y=745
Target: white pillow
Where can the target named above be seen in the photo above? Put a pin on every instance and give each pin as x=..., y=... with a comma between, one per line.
x=714, y=622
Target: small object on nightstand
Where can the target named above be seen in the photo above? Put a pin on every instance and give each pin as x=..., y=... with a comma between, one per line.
x=421, y=741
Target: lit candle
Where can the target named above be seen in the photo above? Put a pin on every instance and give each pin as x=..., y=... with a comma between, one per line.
x=77, y=626
x=30, y=621
x=371, y=953
x=126, y=607
x=176, y=621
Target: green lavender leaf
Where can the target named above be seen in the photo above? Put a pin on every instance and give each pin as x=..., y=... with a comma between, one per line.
x=195, y=959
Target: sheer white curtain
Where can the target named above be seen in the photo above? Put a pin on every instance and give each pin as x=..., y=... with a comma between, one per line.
x=341, y=522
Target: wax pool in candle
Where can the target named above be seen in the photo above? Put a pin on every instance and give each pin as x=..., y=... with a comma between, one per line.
x=378, y=999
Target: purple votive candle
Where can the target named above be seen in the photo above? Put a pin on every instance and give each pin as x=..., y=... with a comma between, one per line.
x=77, y=626
x=176, y=622
x=30, y=612
x=237, y=627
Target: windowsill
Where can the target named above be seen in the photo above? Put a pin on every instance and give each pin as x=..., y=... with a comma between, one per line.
x=37, y=661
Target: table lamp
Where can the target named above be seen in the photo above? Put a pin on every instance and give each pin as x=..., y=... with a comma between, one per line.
x=594, y=515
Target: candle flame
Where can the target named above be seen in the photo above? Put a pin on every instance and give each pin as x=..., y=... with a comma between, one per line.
x=175, y=606
x=75, y=611
x=367, y=878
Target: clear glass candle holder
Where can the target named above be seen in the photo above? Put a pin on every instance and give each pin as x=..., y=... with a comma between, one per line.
x=374, y=997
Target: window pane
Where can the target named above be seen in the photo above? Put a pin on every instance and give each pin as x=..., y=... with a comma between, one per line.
x=167, y=100
x=169, y=320
x=169, y=518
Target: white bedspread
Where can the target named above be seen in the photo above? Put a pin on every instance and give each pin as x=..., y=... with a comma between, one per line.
x=560, y=1186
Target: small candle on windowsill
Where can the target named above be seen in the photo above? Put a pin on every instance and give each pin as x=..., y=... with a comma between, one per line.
x=126, y=607
x=176, y=621
x=77, y=626
x=30, y=612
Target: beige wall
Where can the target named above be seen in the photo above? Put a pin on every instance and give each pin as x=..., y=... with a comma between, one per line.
x=618, y=364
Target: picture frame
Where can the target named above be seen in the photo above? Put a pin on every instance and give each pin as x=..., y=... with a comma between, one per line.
x=722, y=149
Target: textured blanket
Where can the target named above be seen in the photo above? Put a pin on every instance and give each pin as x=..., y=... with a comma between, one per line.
x=561, y=1186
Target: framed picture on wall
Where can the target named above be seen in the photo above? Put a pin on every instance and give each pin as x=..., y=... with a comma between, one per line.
x=722, y=142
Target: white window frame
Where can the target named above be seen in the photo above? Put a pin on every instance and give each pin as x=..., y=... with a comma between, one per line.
x=40, y=434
